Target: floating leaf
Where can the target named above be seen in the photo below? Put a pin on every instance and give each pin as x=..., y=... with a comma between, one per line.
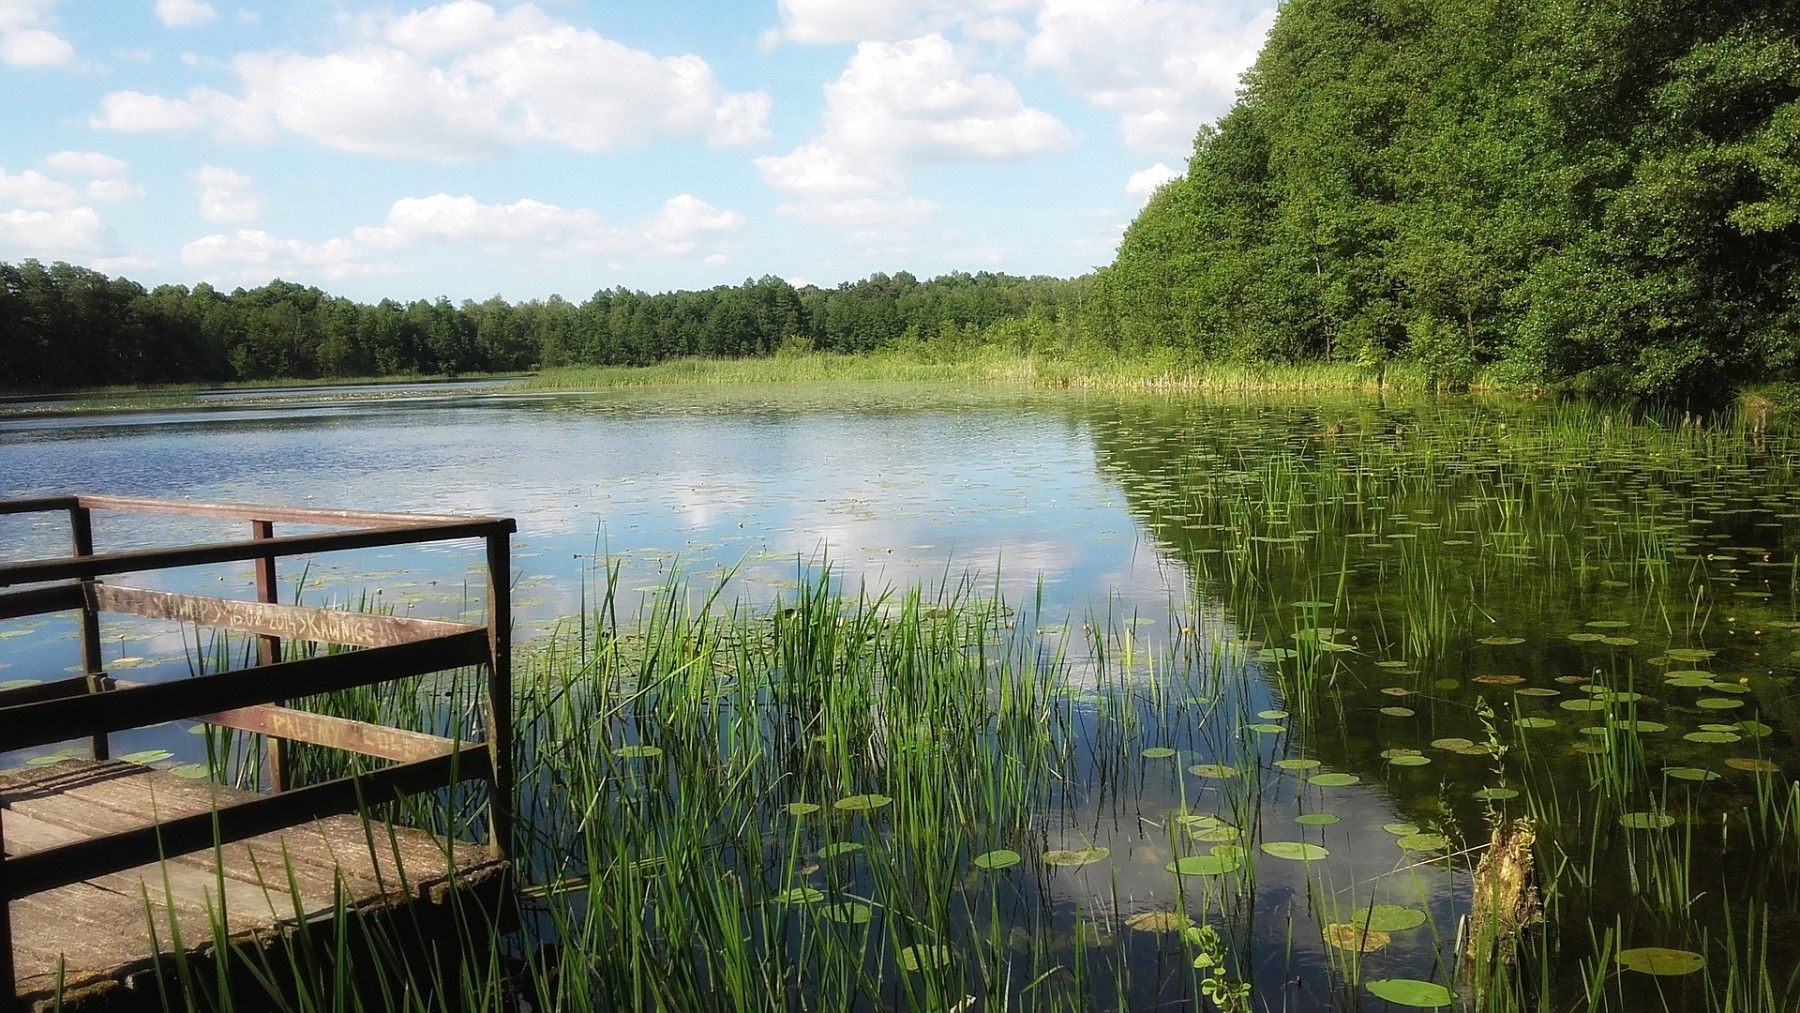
x=1158, y=753
x=1411, y=992
x=1216, y=864
x=1215, y=771
x=924, y=957
x=1753, y=764
x=1316, y=819
x=1265, y=728
x=1298, y=763
x=840, y=848
x=147, y=756
x=1451, y=744
x=799, y=895
x=638, y=752
x=1398, y=712
x=1158, y=921
x=1647, y=821
x=1691, y=773
x=847, y=912
x=1295, y=851
x=1000, y=858
x=1333, y=780
x=1355, y=937
x=1401, y=829
x=1390, y=917
x=1423, y=842
x=1077, y=858
x=1496, y=794
x=861, y=803
x=1660, y=961
x=800, y=808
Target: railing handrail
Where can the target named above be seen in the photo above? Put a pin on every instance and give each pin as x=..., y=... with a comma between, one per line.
x=238, y=511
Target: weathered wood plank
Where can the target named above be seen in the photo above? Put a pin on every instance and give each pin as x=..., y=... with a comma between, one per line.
x=102, y=564
x=53, y=689
x=58, y=720
x=291, y=622
x=236, y=820
x=39, y=506
x=255, y=512
x=38, y=600
x=333, y=732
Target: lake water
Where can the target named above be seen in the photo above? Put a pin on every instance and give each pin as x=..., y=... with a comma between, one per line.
x=1455, y=613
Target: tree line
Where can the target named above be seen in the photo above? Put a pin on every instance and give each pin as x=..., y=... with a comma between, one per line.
x=1603, y=194
x=67, y=327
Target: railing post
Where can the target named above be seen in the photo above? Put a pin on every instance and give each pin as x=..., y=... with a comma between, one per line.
x=499, y=691
x=268, y=652
x=81, y=531
x=10, y=996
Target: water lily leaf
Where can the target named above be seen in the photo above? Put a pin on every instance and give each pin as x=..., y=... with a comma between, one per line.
x=799, y=895
x=1355, y=938
x=1411, y=992
x=1076, y=858
x=639, y=752
x=1000, y=858
x=1753, y=764
x=147, y=756
x=1158, y=921
x=1157, y=753
x=924, y=957
x=1401, y=829
x=1390, y=917
x=1423, y=842
x=840, y=848
x=847, y=912
x=1660, y=961
x=1316, y=819
x=1215, y=771
x=1496, y=794
x=1205, y=865
x=1298, y=763
x=1333, y=780
x=1691, y=773
x=1295, y=851
x=1647, y=821
x=861, y=803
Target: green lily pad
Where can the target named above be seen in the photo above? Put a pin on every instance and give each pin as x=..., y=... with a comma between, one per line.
x=1423, y=842
x=924, y=957
x=840, y=848
x=1690, y=773
x=1333, y=780
x=1647, y=821
x=1000, y=858
x=1411, y=992
x=147, y=756
x=1295, y=851
x=800, y=808
x=861, y=803
x=847, y=912
x=1157, y=753
x=638, y=752
x=1661, y=961
x=1316, y=819
x=1215, y=771
x=1297, y=763
x=799, y=895
x=1216, y=864
x=1389, y=918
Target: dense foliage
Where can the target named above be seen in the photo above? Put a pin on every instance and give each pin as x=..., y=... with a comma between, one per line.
x=1605, y=192
x=67, y=327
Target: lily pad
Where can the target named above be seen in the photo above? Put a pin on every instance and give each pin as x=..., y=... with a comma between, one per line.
x=1157, y=753
x=1332, y=780
x=1355, y=937
x=1661, y=961
x=1295, y=851
x=1216, y=864
x=1390, y=917
x=1067, y=859
x=1647, y=821
x=800, y=808
x=1000, y=858
x=1411, y=992
x=638, y=752
x=924, y=957
x=861, y=803
x=1423, y=842
x=847, y=912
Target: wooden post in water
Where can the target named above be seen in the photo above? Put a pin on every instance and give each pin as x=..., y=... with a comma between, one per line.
x=499, y=692
x=268, y=652
x=81, y=530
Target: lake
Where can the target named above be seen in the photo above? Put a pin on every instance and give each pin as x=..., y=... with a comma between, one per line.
x=1277, y=666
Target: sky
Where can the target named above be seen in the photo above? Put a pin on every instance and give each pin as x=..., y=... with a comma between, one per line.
x=469, y=148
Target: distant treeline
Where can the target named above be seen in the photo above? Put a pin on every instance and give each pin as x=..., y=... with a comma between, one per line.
x=1598, y=193
x=67, y=327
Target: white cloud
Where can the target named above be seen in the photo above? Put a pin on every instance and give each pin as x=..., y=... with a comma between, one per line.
x=35, y=47
x=462, y=80
x=685, y=225
x=184, y=13
x=112, y=189
x=137, y=112
x=227, y=196
x=60, y=234
x=1162, y=67
x=828, y=21
x=900, y=104
x=88, y=164
x=251, y=256
x=34, y=189
x=1144, y=182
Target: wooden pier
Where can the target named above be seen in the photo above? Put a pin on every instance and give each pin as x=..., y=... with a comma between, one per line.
x=105, y=865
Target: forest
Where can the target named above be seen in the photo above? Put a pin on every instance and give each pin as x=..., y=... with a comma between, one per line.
x=1602, y=197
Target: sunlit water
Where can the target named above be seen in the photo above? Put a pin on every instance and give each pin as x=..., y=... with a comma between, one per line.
x=1115, y=512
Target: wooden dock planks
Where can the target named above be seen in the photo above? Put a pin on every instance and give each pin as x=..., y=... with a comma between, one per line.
x=109, y=930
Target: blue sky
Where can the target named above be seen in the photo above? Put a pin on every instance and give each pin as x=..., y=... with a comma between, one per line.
x=473, y=148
